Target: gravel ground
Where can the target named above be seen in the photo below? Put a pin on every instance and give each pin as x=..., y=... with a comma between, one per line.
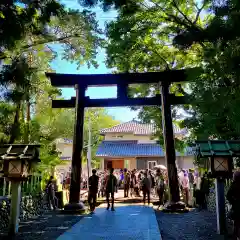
x=47, y=227
x=193, y=225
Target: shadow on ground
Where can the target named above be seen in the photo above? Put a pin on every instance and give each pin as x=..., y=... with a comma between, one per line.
x=49, y=226
x=193, y=225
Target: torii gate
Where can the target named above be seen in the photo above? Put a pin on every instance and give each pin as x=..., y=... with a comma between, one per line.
x=122, y=81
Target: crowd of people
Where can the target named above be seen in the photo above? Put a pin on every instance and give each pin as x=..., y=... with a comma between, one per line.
x=194, y=187
x=133, y=182
x=145, y=183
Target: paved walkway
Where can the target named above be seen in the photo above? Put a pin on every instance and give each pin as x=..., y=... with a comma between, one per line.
x=126, y=223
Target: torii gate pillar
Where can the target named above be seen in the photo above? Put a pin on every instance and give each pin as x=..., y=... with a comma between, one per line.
x=168, y=135
x=75, y=186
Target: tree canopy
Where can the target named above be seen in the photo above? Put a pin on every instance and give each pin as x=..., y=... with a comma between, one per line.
x=32, y=34
x=143, y=41
x=157, y=35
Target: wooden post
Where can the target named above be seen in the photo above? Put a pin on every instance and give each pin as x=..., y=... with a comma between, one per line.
x=15, y=207
x=4, y=186
x=9, y=188
x=77, y=147
x=220, y=206
x=168, y=135
x=31, y=183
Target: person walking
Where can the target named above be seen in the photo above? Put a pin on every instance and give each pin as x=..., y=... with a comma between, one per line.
x=111, y=184
x=93, y=190
x=146, y=187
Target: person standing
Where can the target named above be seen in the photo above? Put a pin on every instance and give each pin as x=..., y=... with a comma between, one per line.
x=204, y=189
x=121, y=177
x=160, y=186
x=93, y=190
x=146, y=187
x=152, y=180
x=133, y=182
x=126, y=182
x=185, y=187
x=191, y=187
x=50, y=190
x=233, y=196
x=111, y=184
x=197, y=193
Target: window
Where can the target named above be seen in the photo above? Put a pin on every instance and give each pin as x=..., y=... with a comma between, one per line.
x=152, y=164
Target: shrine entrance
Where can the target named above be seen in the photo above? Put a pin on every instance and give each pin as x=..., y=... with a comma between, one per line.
x=122, y=81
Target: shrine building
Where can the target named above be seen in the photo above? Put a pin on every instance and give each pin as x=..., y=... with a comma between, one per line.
x=133, y=145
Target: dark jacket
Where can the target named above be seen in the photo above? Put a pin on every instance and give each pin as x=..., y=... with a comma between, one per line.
x=50, y=189
x=111, y=183
x=233, y=196
x=93, y=183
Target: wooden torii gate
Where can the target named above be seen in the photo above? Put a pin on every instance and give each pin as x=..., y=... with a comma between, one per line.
x=122, y=81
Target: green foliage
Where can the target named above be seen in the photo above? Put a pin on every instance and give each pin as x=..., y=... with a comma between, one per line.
x=215, y=113
x=99, y=119
x=160, y=35
x=143, y=41
x=33, y=33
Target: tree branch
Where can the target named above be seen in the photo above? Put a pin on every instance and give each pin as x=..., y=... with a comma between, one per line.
x=41, y=42
x=50, y=41
x=185, y=17
x=199, y=12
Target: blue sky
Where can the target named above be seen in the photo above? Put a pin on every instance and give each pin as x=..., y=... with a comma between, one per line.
x=63, y=66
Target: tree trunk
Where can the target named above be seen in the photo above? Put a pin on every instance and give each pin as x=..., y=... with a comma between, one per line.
x=15, y=125
x=28, y=119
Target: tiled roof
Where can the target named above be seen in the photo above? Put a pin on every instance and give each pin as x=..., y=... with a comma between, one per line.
x=133, y=149
x=138, y=128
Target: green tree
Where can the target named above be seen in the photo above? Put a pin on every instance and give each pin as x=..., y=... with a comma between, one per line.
x=141, y=39
x=100, y=119
x=214, y=112
x=38, y=31
x=49, y=124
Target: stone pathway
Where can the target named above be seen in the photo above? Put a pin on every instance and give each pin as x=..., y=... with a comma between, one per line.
x=126, y=223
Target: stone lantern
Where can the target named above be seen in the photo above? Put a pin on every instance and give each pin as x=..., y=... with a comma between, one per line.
x=221, y=166
x=220, y=155
x=17, y=162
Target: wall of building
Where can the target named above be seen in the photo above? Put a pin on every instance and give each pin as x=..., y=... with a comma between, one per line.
x=65, y=149
x=132, y=164
x=142, y=163
x=185, y=162
x=129, y=163
x=128, y=137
